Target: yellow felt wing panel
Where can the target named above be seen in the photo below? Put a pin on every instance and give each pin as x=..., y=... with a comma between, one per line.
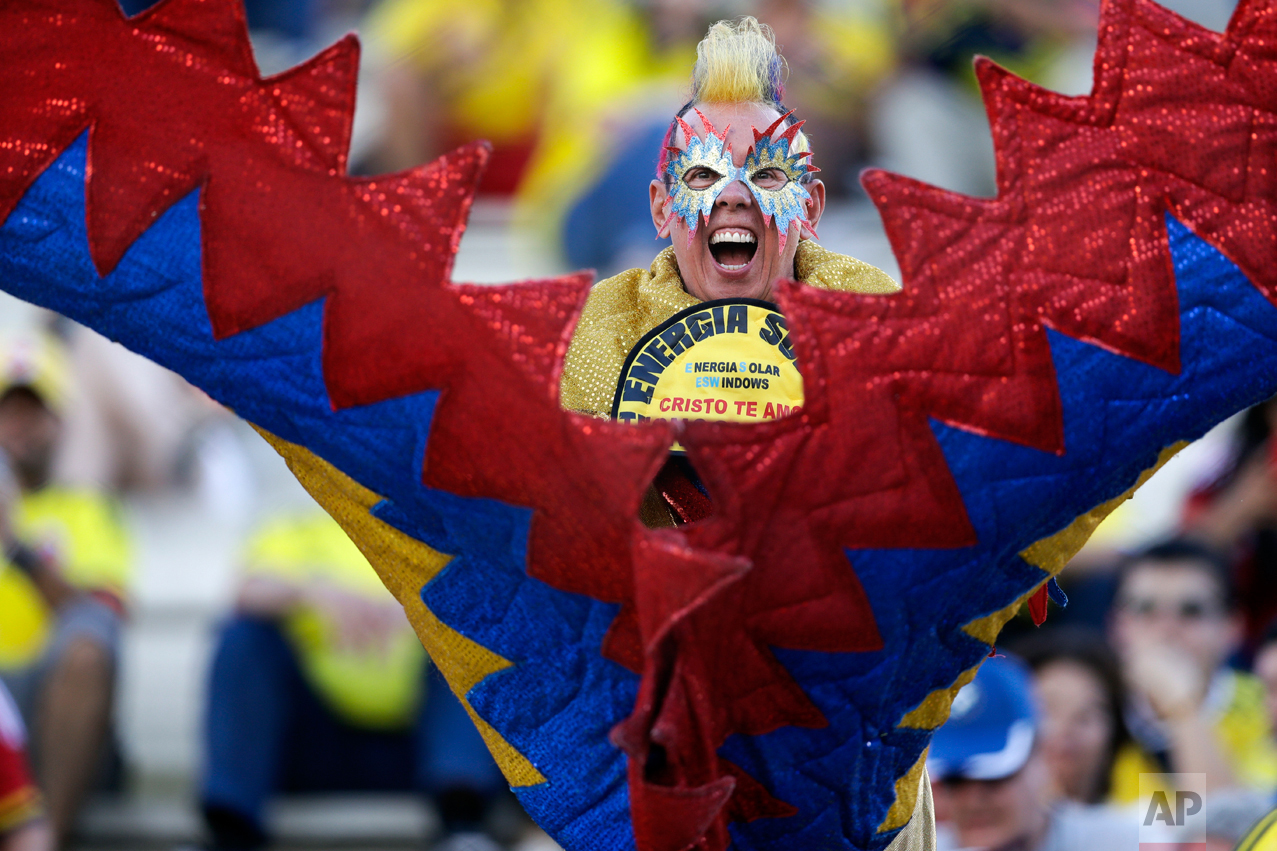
x=405, y=565
x=908, y=786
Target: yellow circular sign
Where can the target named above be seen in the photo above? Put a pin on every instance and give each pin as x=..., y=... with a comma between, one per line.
x=727, y=360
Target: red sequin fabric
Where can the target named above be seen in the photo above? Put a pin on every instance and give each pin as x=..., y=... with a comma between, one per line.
x=1180, y=119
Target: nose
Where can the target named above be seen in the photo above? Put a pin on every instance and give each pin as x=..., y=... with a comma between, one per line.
x=735, y=195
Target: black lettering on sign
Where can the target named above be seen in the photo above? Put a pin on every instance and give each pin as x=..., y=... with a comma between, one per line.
x=718, y=319
x=637, y=392
x=674, y=336
x=737, y=319
x=747, y=383
x=657, y=352
x=776, y=333
x=647, y=369
x=768, y=332
x=699, y=326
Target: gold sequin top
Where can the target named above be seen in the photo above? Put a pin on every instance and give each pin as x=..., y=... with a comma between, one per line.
x=622, y=309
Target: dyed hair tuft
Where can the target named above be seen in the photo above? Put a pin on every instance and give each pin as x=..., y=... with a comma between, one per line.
x=738, y=63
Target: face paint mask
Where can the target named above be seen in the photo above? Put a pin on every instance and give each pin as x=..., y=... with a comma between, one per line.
x=695, y=187
x=774, y=176
x=706, y=167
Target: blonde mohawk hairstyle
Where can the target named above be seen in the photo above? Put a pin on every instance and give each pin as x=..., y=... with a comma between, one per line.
x=738, y=63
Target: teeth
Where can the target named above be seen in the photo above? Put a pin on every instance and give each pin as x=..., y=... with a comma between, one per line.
x=735, y=268
x=731, y=236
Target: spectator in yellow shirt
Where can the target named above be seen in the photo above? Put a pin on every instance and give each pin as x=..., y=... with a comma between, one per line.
x=319, y=684
x=1174, y=625
x=66, y=560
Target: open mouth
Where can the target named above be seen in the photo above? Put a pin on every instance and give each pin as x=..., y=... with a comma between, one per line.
x=732, y=248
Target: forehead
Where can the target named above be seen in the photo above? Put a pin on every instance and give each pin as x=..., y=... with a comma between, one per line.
x=1172, y=580
x=743, y=119
x=1068, y=678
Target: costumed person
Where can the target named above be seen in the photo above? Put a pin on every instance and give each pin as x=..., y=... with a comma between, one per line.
x=740, y=205
x=61, y=594
x=769, y=673
x=736, y=193
x=22, y=824
x=319, y=684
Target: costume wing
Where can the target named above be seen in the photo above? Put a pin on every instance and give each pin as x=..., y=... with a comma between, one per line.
x=767, y=678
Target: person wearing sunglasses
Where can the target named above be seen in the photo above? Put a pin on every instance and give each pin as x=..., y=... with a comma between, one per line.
x=1174, y=624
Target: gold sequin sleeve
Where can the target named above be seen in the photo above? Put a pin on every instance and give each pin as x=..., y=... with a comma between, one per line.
x=819, y=267
x=618, y=312
x=622, y=309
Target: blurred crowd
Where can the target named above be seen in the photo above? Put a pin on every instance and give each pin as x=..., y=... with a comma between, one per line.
x=1165, y=662
x=1062, y=738
x=575, y=95
x=317, y=682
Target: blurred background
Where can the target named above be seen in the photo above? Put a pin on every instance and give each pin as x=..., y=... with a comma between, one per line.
x=178, y=565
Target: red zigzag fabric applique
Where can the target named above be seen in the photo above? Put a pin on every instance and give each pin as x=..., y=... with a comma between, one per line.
x=1181, y=119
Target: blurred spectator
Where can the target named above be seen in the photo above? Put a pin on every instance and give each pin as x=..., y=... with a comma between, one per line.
x=585, y=186
x=495, y=69
x=838, y=54
x=1079, y=689
x=1174, y=624
x=130, y=421
x=1266, y=671
x=596, y=215
x=61, y=594
x=22, y=827
x=996, y=781
x=929, y=121
x=1237, y=514
x=317, y=684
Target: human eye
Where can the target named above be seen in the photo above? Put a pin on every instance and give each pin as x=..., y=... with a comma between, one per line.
x=701, y=177
x=769, y=178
